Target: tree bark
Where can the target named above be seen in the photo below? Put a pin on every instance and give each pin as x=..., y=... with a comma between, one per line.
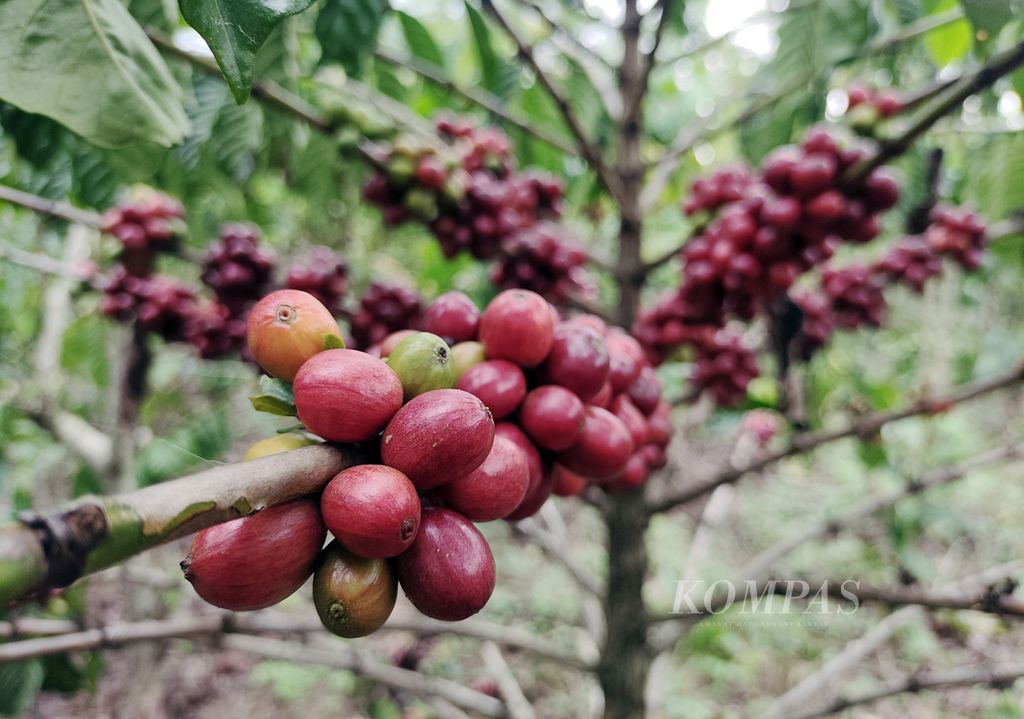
x=626, y=657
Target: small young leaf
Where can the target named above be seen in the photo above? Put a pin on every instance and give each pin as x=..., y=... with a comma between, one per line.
x=235, y=30
x=275, y=397
x=419, y=39
x=333, y=342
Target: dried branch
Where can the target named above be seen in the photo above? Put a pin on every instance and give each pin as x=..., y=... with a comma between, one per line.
x=508, y=637
x=863, y=427
x=51, y=208
x=42, y=552
x=54, y=636
x=269, y=93
x=588, y=151
x=634, y=94
x=565, y=33
x=532, y=531
x=341, y=656
x=515, y=700
x=872, y=505
x=998, y=676
x=946, y=102
x=484, y=99
x=665, y=166
x=841, y=663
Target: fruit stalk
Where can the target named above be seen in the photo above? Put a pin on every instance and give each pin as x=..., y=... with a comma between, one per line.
x=48, y=551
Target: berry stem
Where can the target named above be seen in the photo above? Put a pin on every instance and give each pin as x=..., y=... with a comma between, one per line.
x=47, y=551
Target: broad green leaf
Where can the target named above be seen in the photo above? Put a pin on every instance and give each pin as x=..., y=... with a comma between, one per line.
x=950, y=42
x=420, y=41
x=37, y=138
x=989, y=16
x=497, y=75
x=19, y=684
x=347, y=31
x=235, y=30
x=88, y=65
x=211, y=95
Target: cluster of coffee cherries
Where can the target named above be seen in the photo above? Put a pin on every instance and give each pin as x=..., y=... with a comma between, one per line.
x=725, y=185
x=322, y=274
x=541, y=258
x=146, y=225
x=788, y=219
x=474, y=199
x=384, y=308
x=236, y=268
x=479, y=416
x=853, y=296
x=867, y=105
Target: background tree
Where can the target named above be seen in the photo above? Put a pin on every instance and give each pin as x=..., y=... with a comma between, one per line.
x=851, y=434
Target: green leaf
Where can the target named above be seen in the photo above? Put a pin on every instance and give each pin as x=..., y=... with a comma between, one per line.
x=88, y=65
x=275, y=397
x=498, y=76
x=333, y=342
x=347, y=31
x=37, y=138
x=19, y=684
x=950, y=42
x=988, y=16
x=235, y=30
x=419, y=39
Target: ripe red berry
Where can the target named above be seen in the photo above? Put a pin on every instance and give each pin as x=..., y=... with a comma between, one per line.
x=495, y=488
x=448, y=573
x=552, y=416
x=517, y=325
x=499, y=384
x=346, y=396
x=452, y=316
x=372, y=509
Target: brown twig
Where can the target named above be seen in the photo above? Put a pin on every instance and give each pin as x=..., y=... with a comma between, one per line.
x=946, y=102
x=588, y=151
x=493, y=104
x=998, y=676
x=865, y=426
x=51, y=208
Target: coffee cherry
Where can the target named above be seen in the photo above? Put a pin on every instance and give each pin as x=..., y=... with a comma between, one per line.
x=443, y=583
x=373, y=510
x=552, y=416
x=495, y=488
x=236, y=269
x=517, y=325
x=724, y=368
x=465, y=355
x=353, y=595
x=959, y=234
x=603, y=447
x=286, y=328
x=499, y=384
x=912, y=260
x=453, y=316
x=856, y=296
x=382, y=310
x=346, y=396
x=577, y=359
x=438, y=437
x=145, y=225
x=423, y=362
x=565, y=482
x=256, y=561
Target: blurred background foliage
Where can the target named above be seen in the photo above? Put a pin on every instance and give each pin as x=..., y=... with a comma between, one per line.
x=245, y=162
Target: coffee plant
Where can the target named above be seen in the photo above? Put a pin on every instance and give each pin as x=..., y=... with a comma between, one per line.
x=543, y=312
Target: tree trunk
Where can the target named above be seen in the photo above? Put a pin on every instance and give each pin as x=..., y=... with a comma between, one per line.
x=625, y=660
